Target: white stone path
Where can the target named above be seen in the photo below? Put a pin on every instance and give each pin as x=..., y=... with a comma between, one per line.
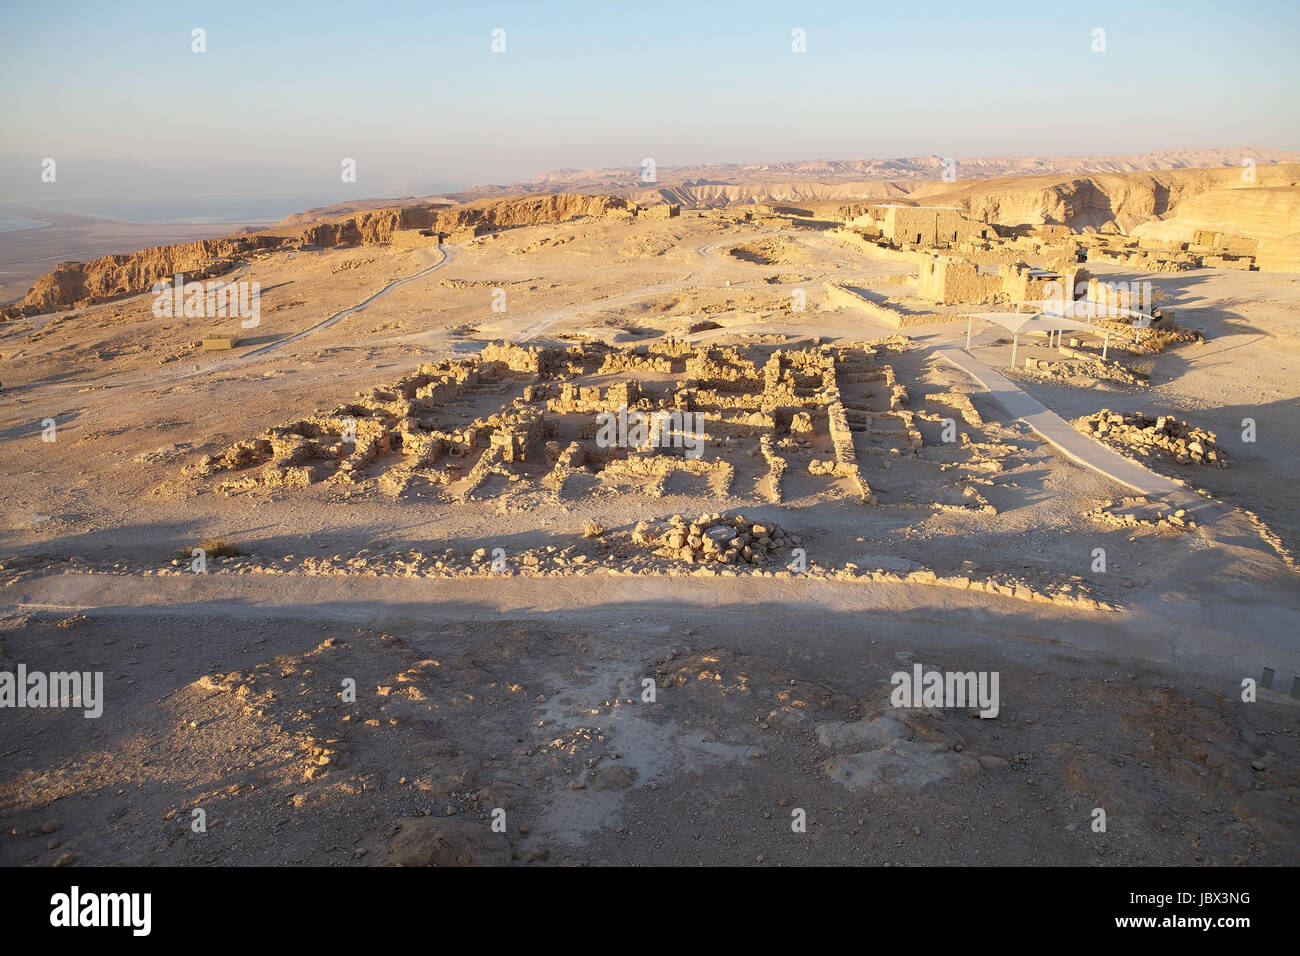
x=1059, y=433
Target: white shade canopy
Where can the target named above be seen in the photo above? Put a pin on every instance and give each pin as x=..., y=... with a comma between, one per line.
x=1047, y=322
x=1034, y=322
x=1087, y=310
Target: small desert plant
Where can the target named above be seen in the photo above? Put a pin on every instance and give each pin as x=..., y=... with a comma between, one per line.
x=1143, y=369
x=594, y=529
x=212, y=548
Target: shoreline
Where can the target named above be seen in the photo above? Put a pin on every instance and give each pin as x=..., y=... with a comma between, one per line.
x=27, y=253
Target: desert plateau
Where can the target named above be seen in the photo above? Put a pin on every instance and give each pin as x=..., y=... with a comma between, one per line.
x=879, y=512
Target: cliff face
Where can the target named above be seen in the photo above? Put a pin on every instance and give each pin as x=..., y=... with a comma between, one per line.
x=367, y=228
x=1105, y=202
x=531, y=211
x=1267, y=213
x=73, y=282
x=377, y=226
x=76, y=282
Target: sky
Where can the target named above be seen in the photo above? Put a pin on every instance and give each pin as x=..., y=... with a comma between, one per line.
x=413, y=92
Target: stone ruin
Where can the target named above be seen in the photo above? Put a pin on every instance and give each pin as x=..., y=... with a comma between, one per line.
x=1140, y=512
x=720, y=538
x=913, y=226
x=1163, y=435
x=920, y=230
x=951, y=280
x=767, y=423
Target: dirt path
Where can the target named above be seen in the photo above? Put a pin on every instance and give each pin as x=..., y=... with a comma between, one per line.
x=711, y=264
x=339, y=316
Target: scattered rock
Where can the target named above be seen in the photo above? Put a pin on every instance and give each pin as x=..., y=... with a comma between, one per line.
x=439, y=841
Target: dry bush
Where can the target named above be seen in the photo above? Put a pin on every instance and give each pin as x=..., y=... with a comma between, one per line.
x=212, y=548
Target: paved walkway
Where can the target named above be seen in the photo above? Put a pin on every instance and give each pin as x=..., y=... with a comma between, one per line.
x=1059, y=433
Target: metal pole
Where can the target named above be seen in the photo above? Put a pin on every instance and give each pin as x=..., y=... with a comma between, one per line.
x=1014, y=339
x=970, y=319
x=1105, y=344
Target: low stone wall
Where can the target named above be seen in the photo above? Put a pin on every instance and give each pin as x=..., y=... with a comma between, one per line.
x=838, y=297
x=414, y=239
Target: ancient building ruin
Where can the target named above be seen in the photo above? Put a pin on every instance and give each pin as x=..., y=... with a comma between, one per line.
x=758, y=423
x=950, y=280
x=922, y=226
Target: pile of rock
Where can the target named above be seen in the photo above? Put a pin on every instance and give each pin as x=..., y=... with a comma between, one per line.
x=1157, y=338
x=1177, y=440
x=720, y=538
x=1139, y=512
x=1080, y=372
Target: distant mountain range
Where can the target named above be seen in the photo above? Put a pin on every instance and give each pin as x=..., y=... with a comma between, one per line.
x=793, y=181
x=809, y=180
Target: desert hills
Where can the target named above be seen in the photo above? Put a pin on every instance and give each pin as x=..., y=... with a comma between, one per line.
x=499, y=608
x=711, y=186
x=1168, y=204
x=84, y=282
x=780, y=181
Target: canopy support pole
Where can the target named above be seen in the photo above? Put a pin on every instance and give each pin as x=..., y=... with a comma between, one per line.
x=1015, y=338
x=970, y=320
x=1105, y=345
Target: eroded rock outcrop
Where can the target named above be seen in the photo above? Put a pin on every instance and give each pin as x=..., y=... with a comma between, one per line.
x=75, y=284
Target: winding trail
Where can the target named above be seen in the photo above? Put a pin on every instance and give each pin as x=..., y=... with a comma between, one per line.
x=339, y=316
x=710, y=264
x=152, y=379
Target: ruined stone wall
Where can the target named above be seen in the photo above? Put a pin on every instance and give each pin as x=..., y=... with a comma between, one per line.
x=911, y=226
x=518, y=434
x=414, y=239
x=1110, y=296
x=953, y=227
x=872, y=245
x=839, y=297
x=661, y=467
x=947, y=280
x=712, y=398
x=1146, y=260
x=660, y=211
x=846, y=456
x=715, y=366
x=517, y=358
x=1228, y=262
x=576, y=399
x=929, y=226
x=775, y=469
x=1019, y=285
x=982, y=253
x=632, y=362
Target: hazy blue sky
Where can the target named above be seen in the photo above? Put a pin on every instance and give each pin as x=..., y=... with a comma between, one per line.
x=414, y=94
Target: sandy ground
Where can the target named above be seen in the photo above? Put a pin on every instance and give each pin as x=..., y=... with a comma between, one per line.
x=524, y=692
